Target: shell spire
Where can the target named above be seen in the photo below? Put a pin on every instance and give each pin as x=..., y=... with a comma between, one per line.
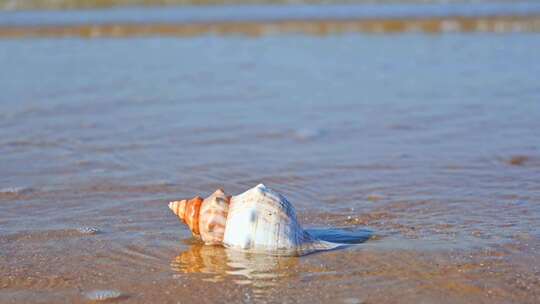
x=205, y=217
x=188, y=211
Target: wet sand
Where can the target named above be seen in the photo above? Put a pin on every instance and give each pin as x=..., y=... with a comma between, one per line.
x=428, y=143
x=63, y=267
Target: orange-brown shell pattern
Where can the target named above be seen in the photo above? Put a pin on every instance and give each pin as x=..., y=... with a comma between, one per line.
x=188, y=211
x=205, y=218
x=213, y=216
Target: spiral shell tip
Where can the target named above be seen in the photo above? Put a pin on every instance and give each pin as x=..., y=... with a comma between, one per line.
x=176, y=208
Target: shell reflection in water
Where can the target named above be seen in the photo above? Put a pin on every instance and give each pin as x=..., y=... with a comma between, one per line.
x=258, y=270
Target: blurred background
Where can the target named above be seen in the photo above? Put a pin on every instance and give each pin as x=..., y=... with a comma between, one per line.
x=414, y=120
x=187, y=18
x=73, y=4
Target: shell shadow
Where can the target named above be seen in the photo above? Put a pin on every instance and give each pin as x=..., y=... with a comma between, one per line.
x=342, y=235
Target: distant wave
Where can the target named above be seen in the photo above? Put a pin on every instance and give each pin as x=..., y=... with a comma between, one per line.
x=92, y=4
x=267, y=19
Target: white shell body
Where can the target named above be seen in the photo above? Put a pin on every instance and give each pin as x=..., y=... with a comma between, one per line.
x=263, y=220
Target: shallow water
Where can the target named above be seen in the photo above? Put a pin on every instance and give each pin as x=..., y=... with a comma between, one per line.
x=428, y=143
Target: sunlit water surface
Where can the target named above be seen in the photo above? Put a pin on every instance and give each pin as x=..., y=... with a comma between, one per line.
x=429, y=143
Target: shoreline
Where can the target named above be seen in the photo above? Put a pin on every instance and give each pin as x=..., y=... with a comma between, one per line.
x=430, y=25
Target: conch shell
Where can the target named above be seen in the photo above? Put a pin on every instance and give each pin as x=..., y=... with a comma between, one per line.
x=259, y=220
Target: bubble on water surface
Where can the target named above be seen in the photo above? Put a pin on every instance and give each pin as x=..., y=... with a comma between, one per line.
x=352, y=301
x=16, y=190
x=104, y=295
x=308, y=134
x=88, y=230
